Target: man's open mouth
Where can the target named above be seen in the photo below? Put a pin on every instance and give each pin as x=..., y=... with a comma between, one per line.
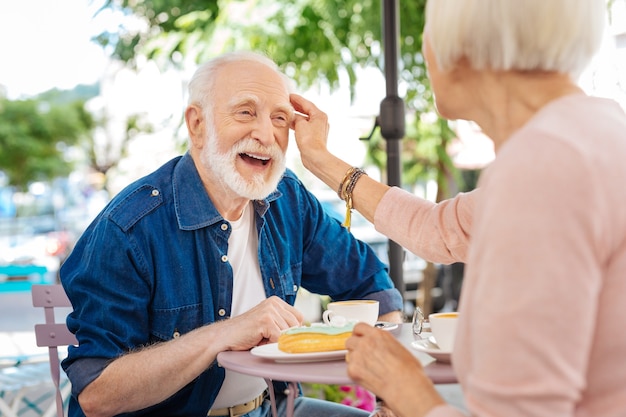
x=255, y=159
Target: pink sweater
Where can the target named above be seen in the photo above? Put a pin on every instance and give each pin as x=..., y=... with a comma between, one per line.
x=543, y=306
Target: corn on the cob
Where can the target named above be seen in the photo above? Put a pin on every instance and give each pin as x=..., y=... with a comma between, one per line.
x=312, y=342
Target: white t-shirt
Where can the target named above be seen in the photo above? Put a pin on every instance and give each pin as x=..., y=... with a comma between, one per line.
x=248, y=291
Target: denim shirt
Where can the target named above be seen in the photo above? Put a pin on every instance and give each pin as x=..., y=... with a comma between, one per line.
x=153, y=266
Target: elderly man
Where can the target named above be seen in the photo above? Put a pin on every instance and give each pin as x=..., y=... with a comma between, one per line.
x=205, y=255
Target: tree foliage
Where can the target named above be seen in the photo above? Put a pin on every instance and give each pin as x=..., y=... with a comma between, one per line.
x=104, y=150
x=34, y=135
x=313, y=41
x=167, y=27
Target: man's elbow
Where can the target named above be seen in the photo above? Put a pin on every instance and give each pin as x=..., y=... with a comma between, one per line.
x=93, y=404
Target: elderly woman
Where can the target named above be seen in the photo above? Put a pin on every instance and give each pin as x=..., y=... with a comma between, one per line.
x=544, y=238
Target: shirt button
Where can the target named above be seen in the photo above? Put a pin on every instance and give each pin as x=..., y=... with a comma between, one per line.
x=221, y=312
x=224, y=258
x=295, y=288
x=155, y=193
x=224, y=226
x=176, y=335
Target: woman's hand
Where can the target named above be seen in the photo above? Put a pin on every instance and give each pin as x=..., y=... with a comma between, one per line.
x=381, y=410
x=379, y=363
x=310, y=125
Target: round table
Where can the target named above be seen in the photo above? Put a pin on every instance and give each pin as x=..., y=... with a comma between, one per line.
x=326, y=372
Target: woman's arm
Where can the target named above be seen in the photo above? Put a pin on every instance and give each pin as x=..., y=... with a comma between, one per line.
x=435, y=232
x=311, y=135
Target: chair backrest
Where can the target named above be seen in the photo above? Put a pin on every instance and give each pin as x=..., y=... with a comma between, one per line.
x=51, y=333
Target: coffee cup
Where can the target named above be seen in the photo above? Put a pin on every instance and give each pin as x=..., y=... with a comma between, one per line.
x=443, y=328
x=339, y=313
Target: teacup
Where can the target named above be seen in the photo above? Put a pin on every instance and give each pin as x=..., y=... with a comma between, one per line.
x=443, y=328
x=339, y=313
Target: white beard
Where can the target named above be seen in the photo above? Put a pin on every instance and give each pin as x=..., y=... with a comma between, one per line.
x=223, y=166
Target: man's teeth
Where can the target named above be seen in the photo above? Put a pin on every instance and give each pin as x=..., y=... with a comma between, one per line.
x=263, y=159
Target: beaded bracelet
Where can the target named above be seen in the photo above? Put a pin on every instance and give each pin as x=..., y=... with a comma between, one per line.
x=346, y=177
x=346, y=187
x=352, y=183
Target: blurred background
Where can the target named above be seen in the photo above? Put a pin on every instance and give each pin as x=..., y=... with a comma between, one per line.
x=92, y=95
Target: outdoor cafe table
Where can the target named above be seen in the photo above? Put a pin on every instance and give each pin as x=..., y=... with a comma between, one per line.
x=326, y=372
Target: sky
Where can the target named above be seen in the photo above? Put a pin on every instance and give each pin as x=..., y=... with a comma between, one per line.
x=46, y=44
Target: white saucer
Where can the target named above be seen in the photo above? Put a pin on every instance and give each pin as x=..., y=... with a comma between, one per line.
x=271, y=351
x=430, y=347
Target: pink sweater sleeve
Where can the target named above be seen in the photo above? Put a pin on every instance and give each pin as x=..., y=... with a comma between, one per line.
x=436, y=232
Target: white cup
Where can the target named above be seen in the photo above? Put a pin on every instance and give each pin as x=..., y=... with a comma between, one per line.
x=443, y=328
x=339, y=313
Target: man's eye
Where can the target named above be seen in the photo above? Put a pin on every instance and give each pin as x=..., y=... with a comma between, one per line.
x=280, y=120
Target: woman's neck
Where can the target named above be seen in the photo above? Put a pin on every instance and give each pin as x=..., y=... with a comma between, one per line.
x=510, y=99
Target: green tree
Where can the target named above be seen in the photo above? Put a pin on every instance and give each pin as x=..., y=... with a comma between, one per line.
x=106, y=154
x=34, y=135
x=314, y=41
x=168, y=25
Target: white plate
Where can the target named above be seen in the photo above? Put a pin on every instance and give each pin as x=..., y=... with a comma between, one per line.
x=430, y=347
x=271, y=351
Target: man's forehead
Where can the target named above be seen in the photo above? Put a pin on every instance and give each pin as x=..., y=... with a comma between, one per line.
x=250, y=77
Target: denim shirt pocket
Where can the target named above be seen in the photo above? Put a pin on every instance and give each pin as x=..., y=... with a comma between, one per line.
x=289, y=283
x=171, y=323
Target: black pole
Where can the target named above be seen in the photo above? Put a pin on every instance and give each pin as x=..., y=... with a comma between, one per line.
x=392, y=124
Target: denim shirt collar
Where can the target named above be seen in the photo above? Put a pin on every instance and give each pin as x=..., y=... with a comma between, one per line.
x=194, y=208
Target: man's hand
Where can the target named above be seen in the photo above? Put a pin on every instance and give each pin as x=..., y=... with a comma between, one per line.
x=261, y=324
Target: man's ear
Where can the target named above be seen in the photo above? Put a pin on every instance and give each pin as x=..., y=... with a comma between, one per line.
x=194, y=118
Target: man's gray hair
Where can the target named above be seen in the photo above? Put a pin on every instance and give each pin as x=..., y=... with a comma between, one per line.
x=202, y=84
x=544, y=35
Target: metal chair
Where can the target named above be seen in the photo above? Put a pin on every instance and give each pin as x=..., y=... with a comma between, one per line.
x=24, y=377
x=53, y=334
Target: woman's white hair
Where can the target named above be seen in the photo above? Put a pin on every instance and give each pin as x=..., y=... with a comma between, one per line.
x=525, y=35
